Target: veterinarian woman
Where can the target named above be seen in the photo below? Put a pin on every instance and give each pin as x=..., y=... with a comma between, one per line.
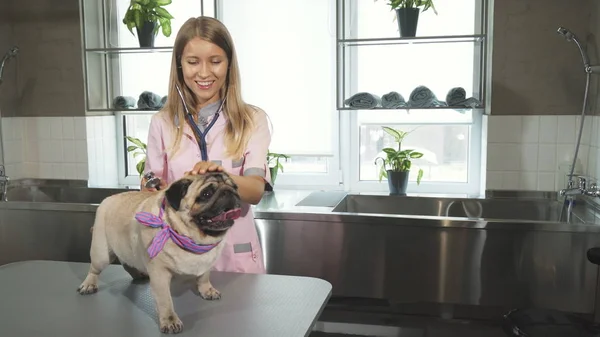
x=206, y=126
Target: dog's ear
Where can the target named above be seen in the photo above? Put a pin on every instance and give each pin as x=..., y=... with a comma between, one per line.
x=176, y=192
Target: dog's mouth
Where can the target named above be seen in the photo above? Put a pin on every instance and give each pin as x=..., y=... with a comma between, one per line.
x=219, y=223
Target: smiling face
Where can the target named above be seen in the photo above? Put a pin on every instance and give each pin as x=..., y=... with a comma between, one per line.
x=204, y=67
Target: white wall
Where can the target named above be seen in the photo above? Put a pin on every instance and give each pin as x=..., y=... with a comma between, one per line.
x=534, y=152
x=61, y=148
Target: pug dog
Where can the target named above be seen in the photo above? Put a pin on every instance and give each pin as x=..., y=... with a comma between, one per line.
x=177, y=231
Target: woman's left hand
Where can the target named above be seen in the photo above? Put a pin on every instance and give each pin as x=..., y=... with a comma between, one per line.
x=205, y=166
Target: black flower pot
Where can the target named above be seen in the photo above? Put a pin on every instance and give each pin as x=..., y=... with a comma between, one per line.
x=273, y=171
x=146, y=34
x=407, y=18
x=397, y=182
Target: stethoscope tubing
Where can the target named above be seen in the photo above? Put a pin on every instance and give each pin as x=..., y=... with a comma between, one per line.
x=201, y=135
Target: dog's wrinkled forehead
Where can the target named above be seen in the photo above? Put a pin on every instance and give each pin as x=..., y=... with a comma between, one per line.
x=195, y=185
x=213, y=177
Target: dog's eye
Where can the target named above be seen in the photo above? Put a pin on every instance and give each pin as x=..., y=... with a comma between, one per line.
x=206, y=194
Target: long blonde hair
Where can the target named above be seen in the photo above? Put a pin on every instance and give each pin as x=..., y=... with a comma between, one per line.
x=240, y=115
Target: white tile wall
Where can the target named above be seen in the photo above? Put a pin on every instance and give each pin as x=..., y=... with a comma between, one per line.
x=593, y=159
x=535, y=152
x=45, y=147
x=61, y=148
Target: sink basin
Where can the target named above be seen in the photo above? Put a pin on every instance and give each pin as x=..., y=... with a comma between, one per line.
x=60, y=194
x=506, y=209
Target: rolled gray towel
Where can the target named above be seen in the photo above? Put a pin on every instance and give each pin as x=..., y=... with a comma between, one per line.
x=149, y=101
x=423, y=97
x=457, y=97
x=123, y=102
x=471, y=102
x=392, y=100
x=363, y=100
x=163, y=101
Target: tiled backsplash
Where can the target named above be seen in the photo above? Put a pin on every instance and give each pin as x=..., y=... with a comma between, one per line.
x=61, y=147
x=45, y=147
x=535, y=152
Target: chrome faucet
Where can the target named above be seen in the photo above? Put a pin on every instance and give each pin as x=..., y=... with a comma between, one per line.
x=571, y=191
x=3, y=182
x=582, y=189
x=593, y=190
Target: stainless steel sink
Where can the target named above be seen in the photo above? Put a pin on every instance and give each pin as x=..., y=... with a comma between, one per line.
x=60, y=194
x=505, y=209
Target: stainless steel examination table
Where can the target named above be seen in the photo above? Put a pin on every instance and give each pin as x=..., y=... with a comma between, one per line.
x=39, y=298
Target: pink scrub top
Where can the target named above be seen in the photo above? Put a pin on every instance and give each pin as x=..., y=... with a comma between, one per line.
x=242, y=251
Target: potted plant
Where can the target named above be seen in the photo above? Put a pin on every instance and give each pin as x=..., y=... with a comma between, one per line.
x=138, y=146
x=273, y=161
x=148, y=16
x=397, y=163
x=407, y=14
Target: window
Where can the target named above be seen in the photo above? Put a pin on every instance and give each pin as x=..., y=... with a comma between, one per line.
x=449, y=139
x=288, y=69
x=136, y=73
x=292, y=70
x=451, y=148
x=137, y=126
x=303, y=117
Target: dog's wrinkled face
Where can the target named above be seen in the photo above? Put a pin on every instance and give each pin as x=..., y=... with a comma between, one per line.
x=208, y=201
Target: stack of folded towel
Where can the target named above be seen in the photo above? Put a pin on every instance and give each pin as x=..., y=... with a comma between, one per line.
x=146, y=101
x=363, y=100
x=149, y=101
x=123, y=102
x=392, y=100
x=457, y=97
x=421, y=97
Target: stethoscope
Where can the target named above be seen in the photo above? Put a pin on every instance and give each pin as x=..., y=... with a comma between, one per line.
x=201, y=135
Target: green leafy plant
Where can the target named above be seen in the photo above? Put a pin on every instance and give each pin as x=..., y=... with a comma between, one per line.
x=398, y=160
x=425, y=4
x=273, y=161
x=142, y=11
x=138, y=148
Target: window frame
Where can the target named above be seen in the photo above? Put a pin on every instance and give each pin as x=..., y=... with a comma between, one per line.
x=474, y=163
x=114, y=64
x=332, y=179
x=351, y=128
x=343, y=164
x=126, y=179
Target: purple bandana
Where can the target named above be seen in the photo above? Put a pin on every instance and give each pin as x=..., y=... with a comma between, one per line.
x=151, y=220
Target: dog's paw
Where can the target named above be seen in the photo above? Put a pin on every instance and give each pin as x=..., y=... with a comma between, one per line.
x=210, y=294
x=87, y=288
x=171, y=324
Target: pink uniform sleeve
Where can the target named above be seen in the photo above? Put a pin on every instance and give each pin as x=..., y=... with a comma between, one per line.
x=155, y=149
x=255, y=161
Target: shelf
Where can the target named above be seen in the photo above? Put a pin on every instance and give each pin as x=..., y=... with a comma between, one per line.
x=412, y=40
x=121, y=110
x=416, y=116
x=129, y=50
x=415, y=109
